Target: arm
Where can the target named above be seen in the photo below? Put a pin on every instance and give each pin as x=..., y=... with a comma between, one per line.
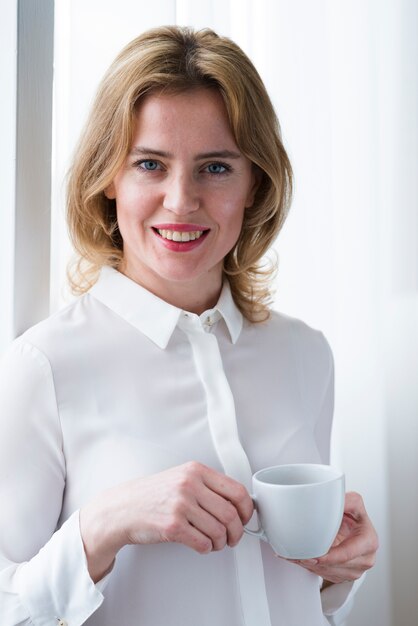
x=190, y=504
x=43, y=573
x=46, y=573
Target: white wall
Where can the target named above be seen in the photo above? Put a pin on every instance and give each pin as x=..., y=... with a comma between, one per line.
x=398, y=161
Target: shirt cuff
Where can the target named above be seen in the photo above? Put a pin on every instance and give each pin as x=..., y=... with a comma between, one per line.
x=337, y=600
x=55, y=584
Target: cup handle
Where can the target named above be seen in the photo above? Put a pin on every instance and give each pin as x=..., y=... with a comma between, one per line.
x=259, y=533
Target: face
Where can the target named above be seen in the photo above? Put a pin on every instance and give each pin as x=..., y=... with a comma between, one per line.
x=181, y=195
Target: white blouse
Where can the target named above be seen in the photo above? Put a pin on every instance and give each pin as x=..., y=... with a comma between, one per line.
x=119, y=385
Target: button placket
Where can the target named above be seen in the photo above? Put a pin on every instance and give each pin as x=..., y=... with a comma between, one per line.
x=225, y=437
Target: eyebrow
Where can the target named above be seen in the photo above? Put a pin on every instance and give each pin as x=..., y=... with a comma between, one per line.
x=215, y=154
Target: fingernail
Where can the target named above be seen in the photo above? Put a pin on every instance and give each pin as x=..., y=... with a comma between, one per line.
x=311, y=561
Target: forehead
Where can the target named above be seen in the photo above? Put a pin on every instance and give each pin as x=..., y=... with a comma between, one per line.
x=198, y=114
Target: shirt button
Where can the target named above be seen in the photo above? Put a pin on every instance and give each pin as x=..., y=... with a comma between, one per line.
x=62, y=622
x=207, y=324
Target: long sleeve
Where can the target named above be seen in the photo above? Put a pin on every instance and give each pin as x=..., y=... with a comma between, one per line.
x=337, y=601
x=43, y=572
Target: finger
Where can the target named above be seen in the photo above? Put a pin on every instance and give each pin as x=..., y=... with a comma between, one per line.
x=196, y=540
x=357, y=539
x=354, y=506
x=193, y=474
x=225, y=512
x=347, y=573
x=350, y=549
x=208, y=526
x=357, y=565
x=231, y=490
x=185, y=533
x=346, y=551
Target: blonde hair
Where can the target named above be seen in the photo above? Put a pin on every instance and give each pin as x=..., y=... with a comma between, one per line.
x=176, y=59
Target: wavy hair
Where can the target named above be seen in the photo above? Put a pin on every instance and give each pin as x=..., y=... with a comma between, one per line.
x=177, y=59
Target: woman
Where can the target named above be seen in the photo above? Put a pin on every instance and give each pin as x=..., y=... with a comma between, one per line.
x=132, y=420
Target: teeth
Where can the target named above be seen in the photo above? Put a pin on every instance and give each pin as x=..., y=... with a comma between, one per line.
x=177, y=235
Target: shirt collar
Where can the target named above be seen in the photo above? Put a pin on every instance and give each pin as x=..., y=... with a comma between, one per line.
x=154, y=317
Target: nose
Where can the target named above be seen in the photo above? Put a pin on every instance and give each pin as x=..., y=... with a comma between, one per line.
x=181, y=194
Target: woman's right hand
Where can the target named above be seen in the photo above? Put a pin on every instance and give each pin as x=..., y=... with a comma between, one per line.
x=190, y=504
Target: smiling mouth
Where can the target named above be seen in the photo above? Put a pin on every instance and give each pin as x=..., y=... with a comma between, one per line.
x=180, y=236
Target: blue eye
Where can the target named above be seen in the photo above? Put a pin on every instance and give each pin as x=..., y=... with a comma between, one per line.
x=218, y=168
x=148, y=165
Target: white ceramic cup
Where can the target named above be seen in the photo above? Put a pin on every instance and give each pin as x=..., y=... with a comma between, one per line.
x=300, y=508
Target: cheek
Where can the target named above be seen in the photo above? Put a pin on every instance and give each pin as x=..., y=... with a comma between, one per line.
x=132, y=205
x=230, y=223
x=233, y=215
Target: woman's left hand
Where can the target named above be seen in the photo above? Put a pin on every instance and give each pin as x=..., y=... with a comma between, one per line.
x=354, y=549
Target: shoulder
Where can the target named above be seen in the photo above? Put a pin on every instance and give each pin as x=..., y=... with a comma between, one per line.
x=286, y=329
x=54, y=334
x=293, y=339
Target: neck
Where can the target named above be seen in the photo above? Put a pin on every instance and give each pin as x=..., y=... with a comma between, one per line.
x=193, y=296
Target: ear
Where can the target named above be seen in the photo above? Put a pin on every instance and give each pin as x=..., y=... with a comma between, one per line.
x=110, y=192
x=257, y=176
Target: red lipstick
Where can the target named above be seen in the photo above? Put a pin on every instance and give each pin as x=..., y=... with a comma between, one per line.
x=180, y=246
